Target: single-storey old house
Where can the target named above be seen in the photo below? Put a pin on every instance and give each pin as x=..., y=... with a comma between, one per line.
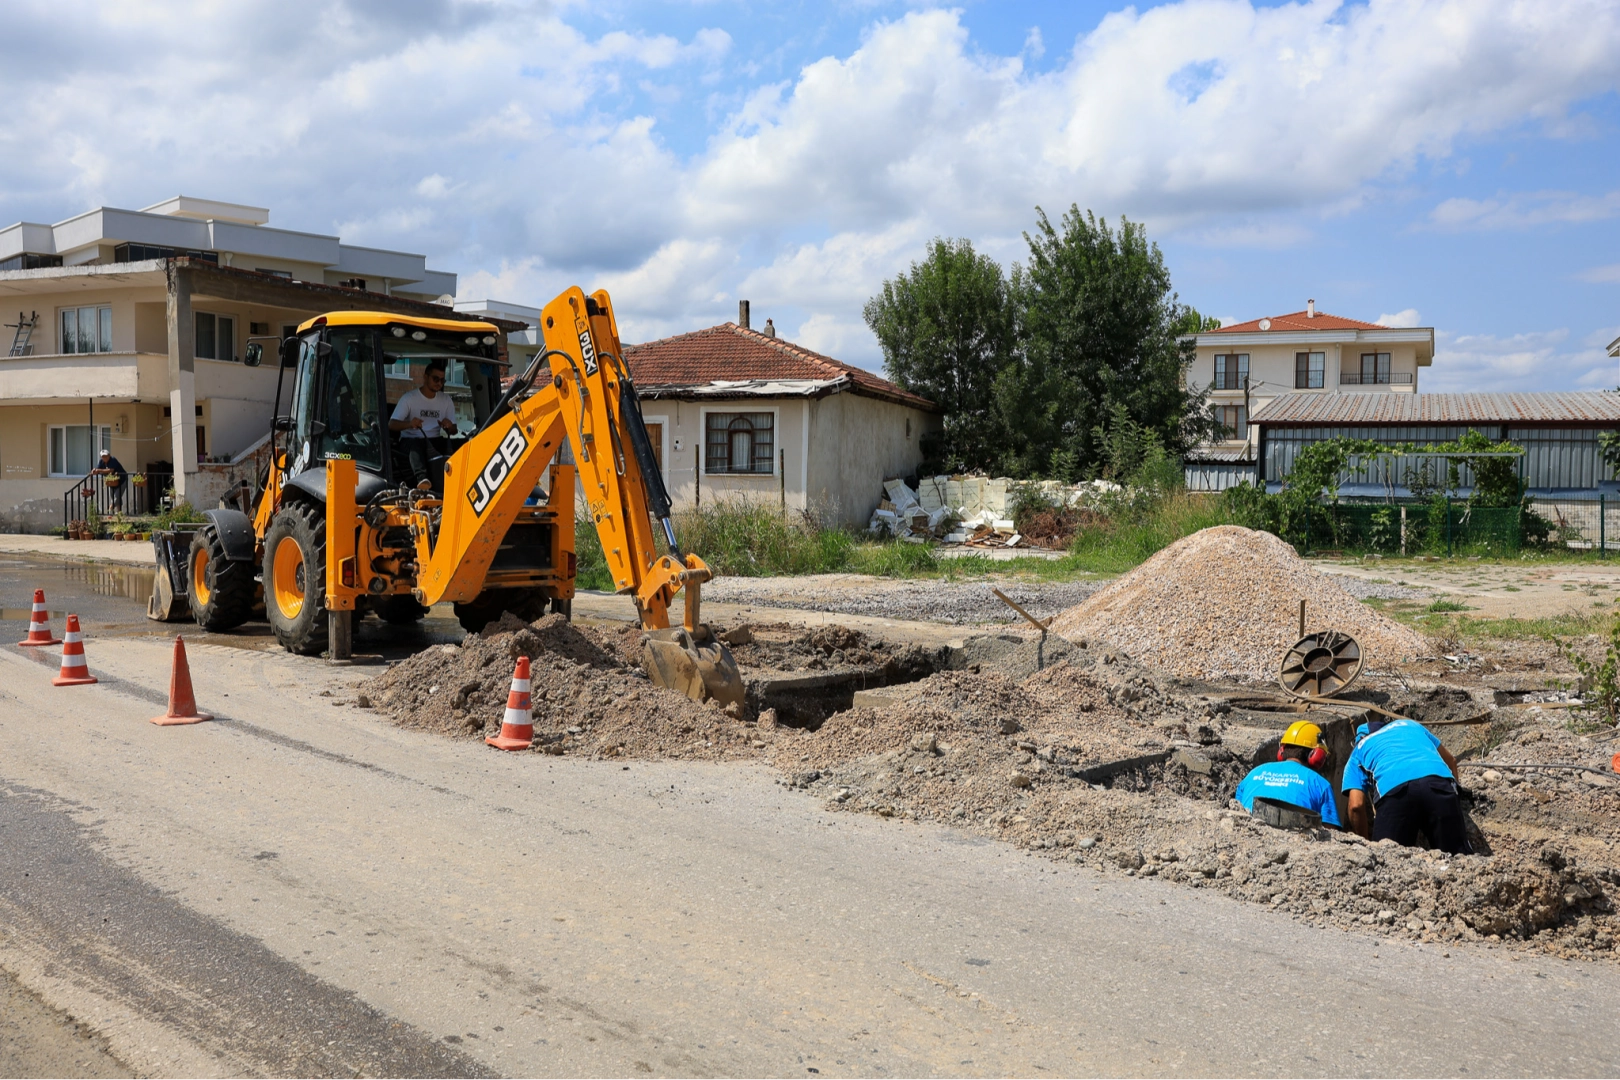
x=737, y=413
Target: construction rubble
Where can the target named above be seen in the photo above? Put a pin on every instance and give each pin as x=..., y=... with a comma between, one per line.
x=1077, y=748
x=973, y=510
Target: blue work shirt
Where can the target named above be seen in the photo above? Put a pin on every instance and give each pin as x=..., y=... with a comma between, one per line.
x=1399, y=751
x=1291, y=782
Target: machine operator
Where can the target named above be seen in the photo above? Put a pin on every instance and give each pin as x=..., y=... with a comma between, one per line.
x=424, y=418
x=1294, y=777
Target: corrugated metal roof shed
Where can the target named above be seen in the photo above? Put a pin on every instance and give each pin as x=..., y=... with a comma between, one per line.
x=1561, y=407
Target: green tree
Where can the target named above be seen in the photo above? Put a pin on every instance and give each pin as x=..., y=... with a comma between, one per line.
x=1192, y=322
x=947, y=329
x=1099, y=324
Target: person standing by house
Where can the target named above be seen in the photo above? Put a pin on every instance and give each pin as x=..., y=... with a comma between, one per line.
x=423, y=418
x=111, y=467
x=1401, y=781
x=1293, y=777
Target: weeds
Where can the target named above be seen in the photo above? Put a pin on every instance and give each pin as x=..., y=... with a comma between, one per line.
x=1113, y=547
x=1602, y=692
x=1442, y=606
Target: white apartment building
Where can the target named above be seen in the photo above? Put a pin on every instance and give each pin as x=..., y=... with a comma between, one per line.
x=126, y=329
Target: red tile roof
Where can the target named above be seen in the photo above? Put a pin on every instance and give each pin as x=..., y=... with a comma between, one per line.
x=728, y=352
x=1298, y=320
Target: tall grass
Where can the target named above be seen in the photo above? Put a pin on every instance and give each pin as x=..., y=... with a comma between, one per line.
x=1118, y=545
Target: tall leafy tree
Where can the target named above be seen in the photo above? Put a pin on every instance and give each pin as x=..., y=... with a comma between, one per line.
x=947, y=328
x=1099, y=326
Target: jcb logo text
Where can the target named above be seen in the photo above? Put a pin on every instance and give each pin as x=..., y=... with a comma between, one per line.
x=496, y=469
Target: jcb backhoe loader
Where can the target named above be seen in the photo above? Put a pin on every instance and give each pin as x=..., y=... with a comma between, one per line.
x=337, y=528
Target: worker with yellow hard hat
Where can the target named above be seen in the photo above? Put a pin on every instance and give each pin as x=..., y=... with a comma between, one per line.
x=1294, y=777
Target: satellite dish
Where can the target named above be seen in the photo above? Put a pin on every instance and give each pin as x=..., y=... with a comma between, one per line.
x=1265, y=324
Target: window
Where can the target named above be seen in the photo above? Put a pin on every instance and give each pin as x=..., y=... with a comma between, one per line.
x=1231, y=370
x=740, y=443
x=1374, y=369
x=124, y=253
x=29, y=261
x=1233, y=419
x=70, y=448
x=283, y=274
x=86, y=330
x=1309, y=369
x=216, y=337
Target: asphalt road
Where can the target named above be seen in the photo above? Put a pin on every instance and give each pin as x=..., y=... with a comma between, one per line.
x=300, y=886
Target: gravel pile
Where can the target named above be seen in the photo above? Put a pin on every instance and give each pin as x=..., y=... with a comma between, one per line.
x=1224, y=603
x=961, y=603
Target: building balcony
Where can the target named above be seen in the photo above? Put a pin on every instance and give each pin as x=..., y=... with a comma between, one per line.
x=1394, y=378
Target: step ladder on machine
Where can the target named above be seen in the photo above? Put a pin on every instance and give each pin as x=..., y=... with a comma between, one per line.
x=21, y=341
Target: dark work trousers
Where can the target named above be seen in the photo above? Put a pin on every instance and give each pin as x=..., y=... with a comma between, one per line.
x=1428, y=805
x=420, y=453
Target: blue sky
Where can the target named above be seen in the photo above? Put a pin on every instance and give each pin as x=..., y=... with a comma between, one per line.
x=1450, y=164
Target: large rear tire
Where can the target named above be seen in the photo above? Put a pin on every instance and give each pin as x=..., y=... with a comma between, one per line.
x=295, y=577
x=220, y=590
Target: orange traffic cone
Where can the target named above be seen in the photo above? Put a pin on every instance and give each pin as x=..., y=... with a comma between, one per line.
x=39, y=624
x=517, y=729
x=182, y=702
x=75, y=672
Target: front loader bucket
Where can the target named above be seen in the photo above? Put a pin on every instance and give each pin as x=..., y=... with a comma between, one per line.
x=675, y=661
x=167, y=603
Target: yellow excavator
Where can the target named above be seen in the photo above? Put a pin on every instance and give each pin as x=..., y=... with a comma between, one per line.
x=340, y=526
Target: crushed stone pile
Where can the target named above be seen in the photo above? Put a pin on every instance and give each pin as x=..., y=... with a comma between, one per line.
x=1223, y=603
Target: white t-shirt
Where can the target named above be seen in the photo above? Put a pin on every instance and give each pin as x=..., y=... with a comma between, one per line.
x=416, y=403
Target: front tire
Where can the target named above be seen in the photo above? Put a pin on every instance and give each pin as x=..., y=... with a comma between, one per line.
x=295, y=577
x=220, y=591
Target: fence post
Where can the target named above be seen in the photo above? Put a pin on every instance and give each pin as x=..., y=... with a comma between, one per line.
x=781, y=470
x=1603, y=521
x=1448, y=526
x=697, y=477
x=1403, y=530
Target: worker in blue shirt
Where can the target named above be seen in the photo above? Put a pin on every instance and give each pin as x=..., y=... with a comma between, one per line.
x=1293, y=778
x=1401, y=781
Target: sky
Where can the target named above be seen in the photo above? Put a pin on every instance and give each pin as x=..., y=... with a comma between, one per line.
x=1433, y=163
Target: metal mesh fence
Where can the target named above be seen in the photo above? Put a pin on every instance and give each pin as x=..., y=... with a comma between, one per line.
x=1434, y=527
x=1577, y=523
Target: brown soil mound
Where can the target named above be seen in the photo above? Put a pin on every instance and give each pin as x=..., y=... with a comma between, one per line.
x=1224, y=603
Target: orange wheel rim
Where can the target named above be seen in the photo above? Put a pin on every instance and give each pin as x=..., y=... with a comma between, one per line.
x=288, y=568
x=199, y=577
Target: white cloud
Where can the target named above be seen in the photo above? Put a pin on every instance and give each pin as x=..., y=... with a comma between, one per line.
x=1601, y=275
x=496, y=138
x=1543, y=360
x=1525, y=210
x=1408, y=317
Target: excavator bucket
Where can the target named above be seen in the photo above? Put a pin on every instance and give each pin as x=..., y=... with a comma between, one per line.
x=675, y=660
x=167, y=602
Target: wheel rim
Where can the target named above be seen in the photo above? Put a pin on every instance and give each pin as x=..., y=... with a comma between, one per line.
x=288, y=567
x=199, y=577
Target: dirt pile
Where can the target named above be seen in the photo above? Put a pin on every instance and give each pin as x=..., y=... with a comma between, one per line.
x=1224, y=603
x=586, y=698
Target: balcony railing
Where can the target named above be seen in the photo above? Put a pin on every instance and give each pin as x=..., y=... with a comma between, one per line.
x=99, y=494
x=1357, y=378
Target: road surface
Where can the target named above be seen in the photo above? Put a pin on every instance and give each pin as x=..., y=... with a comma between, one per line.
x=301, y=887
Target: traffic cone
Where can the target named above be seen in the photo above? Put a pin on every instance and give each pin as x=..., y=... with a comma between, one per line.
x=182, y=702
x=39, y=624
x=75, y=672
x=517, y=729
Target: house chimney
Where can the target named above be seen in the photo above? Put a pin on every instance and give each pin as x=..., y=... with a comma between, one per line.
x=770, y=328
x=1310, y=309
x=742, y=314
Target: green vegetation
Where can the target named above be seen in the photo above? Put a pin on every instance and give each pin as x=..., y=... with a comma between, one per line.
x=1030, y=367
x=1443, y=606
x=1602, y=692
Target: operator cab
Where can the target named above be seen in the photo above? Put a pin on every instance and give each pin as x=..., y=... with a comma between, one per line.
x=352, y=369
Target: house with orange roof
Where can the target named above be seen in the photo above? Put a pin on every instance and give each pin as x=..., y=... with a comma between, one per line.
x=1246, y=365
x=739, y=413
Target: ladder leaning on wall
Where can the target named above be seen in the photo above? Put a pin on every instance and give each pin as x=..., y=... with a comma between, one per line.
x=21, y=342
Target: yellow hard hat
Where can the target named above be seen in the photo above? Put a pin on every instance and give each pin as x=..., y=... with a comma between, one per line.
x=1303, y=733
